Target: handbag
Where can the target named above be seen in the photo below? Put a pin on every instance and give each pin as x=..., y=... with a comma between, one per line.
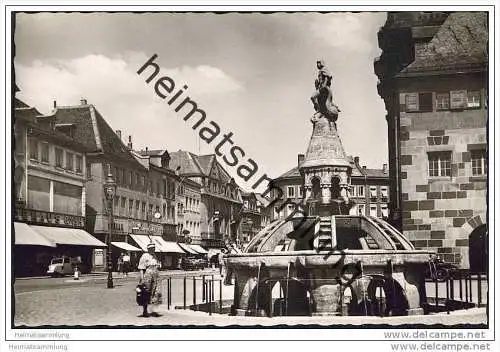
x=141, y=295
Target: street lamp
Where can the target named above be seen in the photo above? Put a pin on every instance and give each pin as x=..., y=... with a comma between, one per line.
x=109, y=192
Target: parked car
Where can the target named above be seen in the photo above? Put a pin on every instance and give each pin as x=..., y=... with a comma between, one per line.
x=437, y=269
x=60, y=266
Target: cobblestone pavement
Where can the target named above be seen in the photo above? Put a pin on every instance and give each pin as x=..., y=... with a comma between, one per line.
x=94, y=304
x=97, y=305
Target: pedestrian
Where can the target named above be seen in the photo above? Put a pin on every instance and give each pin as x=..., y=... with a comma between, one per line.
x=119, y=263
x=126, y=263
x=150, y=279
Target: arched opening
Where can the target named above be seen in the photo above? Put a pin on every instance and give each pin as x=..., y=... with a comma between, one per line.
x=335, y=188
x=316, y=188
x=478, y=249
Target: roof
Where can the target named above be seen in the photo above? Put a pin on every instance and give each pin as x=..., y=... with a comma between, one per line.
x=200, y=165
x=20, y=104
x=151, y=152
x=263, y=200
x=93, y=131
x=461, y=41
x=292, y=173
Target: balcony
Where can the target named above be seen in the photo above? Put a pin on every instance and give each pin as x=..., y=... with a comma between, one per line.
x=40, y=217
x=246, y=210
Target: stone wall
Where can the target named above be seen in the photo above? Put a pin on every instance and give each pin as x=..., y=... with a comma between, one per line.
x=440, y=212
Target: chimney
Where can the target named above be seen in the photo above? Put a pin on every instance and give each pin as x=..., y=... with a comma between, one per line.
x=364, y=167
x=384, y=168
x=129, y=145
x=146, y=148
x=356, y=160
x=83, y=101
x=55, y=104
x=119, y=134
x=300, y=159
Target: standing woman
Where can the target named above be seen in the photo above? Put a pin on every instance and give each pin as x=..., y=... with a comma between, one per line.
x=150, y=278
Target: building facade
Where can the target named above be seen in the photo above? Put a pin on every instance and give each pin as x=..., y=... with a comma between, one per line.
x=50, y=193
x=369, y=191
x=251, y=217
x=220, y=201
x=433, y=81
x=141, y=193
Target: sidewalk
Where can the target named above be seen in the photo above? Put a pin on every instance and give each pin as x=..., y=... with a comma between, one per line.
x=132, y=274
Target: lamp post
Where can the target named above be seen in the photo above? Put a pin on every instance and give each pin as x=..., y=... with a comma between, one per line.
x=109, y=192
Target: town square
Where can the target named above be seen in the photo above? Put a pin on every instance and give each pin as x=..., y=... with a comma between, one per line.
x=245, y=169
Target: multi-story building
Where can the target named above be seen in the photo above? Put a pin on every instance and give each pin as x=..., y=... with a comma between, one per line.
x=190, y=228
x=138, y=202
x=220, y=197
x=251, y=217
x=50, y=193
x=369, y=190
x=433, y=79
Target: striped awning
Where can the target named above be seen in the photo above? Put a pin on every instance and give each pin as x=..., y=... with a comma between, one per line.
x=161, y=246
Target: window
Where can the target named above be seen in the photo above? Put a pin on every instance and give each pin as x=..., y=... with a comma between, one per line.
x=385, y=210
x=301, y=192
x=137, y=180
x=124, y=200
x=130, y=207
x=143, y=181
x=361, y=209
x=439, y=164
x=373, y=210
x=79, y=164
x=383, y=191
x=117, y=175
x=442, y=101
x=45, y=153
x=130, y=178
x=411, y=102
x=143, y=210
x=33, y=149
x=157, y=189
x=373, y=191
x=474, y=99
x=290, y=209
x=69, y=161
x=361, y=191
x=425, y=102
x=458, y=99
x=88, y=167
x=290, y=192
x=137, y=207
x=59, y=158
x=479, y=162
x=164, y=211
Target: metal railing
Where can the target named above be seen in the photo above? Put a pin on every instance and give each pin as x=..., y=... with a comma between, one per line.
x=193, y=287
x=458, y=289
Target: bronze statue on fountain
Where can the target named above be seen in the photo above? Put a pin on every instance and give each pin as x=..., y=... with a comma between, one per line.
x=322, y=98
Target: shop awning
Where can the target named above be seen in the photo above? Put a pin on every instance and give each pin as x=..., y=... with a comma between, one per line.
x=75, y=237
x=126, y=246
x=187, y=248
x=25, y=235
x=161, y=246
x=198, y=248
x=143, y=241
x=167, y=246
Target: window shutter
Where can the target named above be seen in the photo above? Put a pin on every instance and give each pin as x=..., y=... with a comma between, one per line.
x=425, y=102
x=458, y=99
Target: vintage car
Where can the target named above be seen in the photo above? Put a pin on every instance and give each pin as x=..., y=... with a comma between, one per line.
x=60, y=266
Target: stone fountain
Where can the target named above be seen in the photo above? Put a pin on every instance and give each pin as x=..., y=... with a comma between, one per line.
x=328, y=262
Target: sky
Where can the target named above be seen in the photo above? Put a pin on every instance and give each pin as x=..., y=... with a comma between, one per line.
x=253, y=74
